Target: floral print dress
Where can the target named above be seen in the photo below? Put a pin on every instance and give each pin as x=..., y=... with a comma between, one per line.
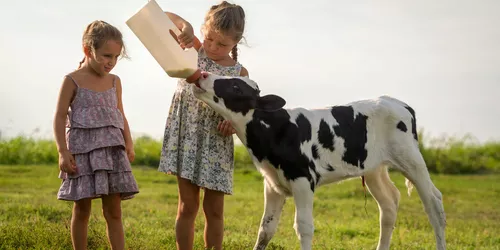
x=193, y=148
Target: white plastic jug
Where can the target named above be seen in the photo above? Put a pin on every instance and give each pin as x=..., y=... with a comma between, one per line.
x=154, y=29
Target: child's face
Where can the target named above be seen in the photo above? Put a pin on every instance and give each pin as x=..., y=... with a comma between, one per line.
x=104, y=59
x=218, y=45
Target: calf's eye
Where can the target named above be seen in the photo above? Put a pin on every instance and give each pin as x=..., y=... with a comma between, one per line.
x=236, y=89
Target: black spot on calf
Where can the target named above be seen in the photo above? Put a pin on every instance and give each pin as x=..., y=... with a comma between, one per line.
x=280, y=143
x=401, y=126
x=314, y=150
x=413, y=122
x=312, y=166
x=304, y=127
x=325, y=135
x=351, y=127
x=329, y=167
x=268, y=219
x=238, y=96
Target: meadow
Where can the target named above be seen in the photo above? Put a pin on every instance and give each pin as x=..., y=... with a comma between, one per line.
x=32, y=218
x=466, y=173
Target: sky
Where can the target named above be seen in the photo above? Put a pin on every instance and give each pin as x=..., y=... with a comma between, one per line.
x=441, y=57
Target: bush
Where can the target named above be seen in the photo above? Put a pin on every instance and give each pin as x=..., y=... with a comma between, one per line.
x=446, y=155
x=241, y=157
x=147, y=151
x=461, y=156
x=25, y=150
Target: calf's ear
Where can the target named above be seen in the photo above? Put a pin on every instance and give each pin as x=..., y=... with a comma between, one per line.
x=270, y=103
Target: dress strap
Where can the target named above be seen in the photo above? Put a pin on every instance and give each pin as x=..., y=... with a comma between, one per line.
x=201, y=52
x=72, y=79
x=114, y=81
x=238, y=67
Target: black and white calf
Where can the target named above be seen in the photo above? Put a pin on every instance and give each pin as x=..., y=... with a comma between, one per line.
x=298, y=150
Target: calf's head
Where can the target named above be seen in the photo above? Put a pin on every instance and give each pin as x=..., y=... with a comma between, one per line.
x=234, y=98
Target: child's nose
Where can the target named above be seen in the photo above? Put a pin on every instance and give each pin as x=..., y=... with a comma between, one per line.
x=213, y=47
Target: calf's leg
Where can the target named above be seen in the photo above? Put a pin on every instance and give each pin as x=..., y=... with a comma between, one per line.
x=273, y=205
x=411, y=163
x=304, y=224
x=387, y=196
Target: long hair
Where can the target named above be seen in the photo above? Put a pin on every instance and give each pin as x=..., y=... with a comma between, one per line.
x=228, y=19
x=97, y=33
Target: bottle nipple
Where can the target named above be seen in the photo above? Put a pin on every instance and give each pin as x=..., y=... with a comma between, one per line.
x=194, y=77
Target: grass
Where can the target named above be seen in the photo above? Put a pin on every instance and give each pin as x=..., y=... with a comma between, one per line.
x=32, y=218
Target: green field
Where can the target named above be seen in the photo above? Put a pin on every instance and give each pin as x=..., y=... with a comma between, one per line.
x=32, y=218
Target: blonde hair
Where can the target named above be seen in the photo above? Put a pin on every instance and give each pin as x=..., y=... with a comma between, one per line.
x=97, y=33
x=228, y=19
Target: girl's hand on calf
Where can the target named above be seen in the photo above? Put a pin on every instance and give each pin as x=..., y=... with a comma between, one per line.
x=225, y=128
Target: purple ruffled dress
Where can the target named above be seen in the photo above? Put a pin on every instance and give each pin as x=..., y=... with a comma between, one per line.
x=96, y=141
